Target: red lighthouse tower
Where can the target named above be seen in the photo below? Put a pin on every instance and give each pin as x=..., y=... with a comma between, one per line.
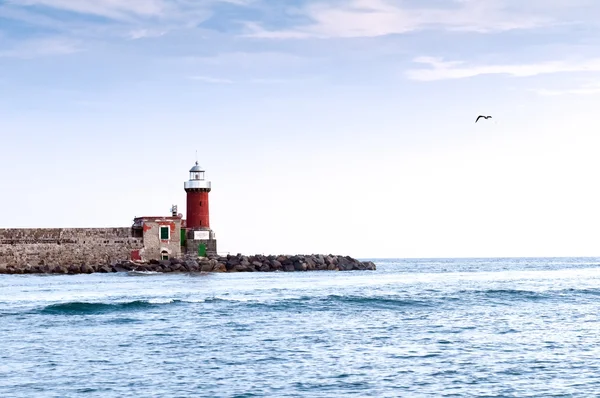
x=200, y=237
x=197, y=199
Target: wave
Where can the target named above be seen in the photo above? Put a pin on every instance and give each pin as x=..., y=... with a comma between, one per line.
x=86, y=308
x=588, y=291
x=143, y=273
x=509, y=293
x=371, y=301
x=532, y=294
x=422, y=300
x=404, y=301
x=324, y=303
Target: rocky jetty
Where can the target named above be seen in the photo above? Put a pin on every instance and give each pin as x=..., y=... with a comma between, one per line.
x=229, y=263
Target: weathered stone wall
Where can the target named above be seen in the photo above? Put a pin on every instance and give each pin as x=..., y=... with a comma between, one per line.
x=192, y=246
x=66, y=246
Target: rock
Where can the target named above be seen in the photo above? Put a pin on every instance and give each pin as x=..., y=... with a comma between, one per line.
x=177, y=268
x=159, y=267
x=321, y=267
x=229, y=267
x=86, y=269
x=369, y=265
x=74, y=269
x=264, y=267
x=232, y=262
x=344, y=265
x=212, y=263
x=120, y=268
x=300, y=266
x=124, y=266
x=206, y=266
x=105, y=269
x=219, y=267
x=192, y=266
x=243, y=268
x=289, y=267
x=276, y=265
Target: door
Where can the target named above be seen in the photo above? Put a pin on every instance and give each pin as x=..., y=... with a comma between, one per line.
x=183, y=237
x=201, y=250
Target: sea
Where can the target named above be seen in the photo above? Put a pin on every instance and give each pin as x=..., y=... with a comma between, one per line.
x=501, y=327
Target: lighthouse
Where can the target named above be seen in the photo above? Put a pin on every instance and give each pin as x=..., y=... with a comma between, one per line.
x=200, y=238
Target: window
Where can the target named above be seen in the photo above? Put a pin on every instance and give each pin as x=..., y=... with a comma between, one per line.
x=164, y=233
x=164, y=255
x=200, y=203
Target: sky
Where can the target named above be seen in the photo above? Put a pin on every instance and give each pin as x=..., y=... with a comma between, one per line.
x=325, y=126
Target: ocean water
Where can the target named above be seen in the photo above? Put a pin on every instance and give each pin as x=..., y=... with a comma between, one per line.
x=413, y=328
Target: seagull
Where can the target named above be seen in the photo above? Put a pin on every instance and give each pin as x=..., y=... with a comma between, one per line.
x=481, y=116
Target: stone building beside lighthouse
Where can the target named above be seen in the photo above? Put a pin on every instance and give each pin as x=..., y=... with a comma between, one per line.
x=148, y=238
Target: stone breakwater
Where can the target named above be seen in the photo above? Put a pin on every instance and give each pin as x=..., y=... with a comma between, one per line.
x=229, y=263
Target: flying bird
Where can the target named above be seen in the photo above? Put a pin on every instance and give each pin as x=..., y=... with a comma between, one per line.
x=481, y=116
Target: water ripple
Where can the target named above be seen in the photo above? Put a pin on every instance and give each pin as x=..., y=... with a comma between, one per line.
x=418, y=328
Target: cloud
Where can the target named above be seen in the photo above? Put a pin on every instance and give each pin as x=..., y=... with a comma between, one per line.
x=41, y=48
x=250, y=60
x=258, y=67
x=443, y=70
x=258, y=81
x=213, y=80
x=114, y=9
x=132, y=19
x=277, y=81
x=146, y=33
x=371, y=18
x=585, y=89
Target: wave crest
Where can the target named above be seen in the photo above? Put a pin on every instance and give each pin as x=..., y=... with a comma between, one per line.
x=87, y=308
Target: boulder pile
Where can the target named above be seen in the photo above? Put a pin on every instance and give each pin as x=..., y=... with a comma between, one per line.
x=229, y=263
